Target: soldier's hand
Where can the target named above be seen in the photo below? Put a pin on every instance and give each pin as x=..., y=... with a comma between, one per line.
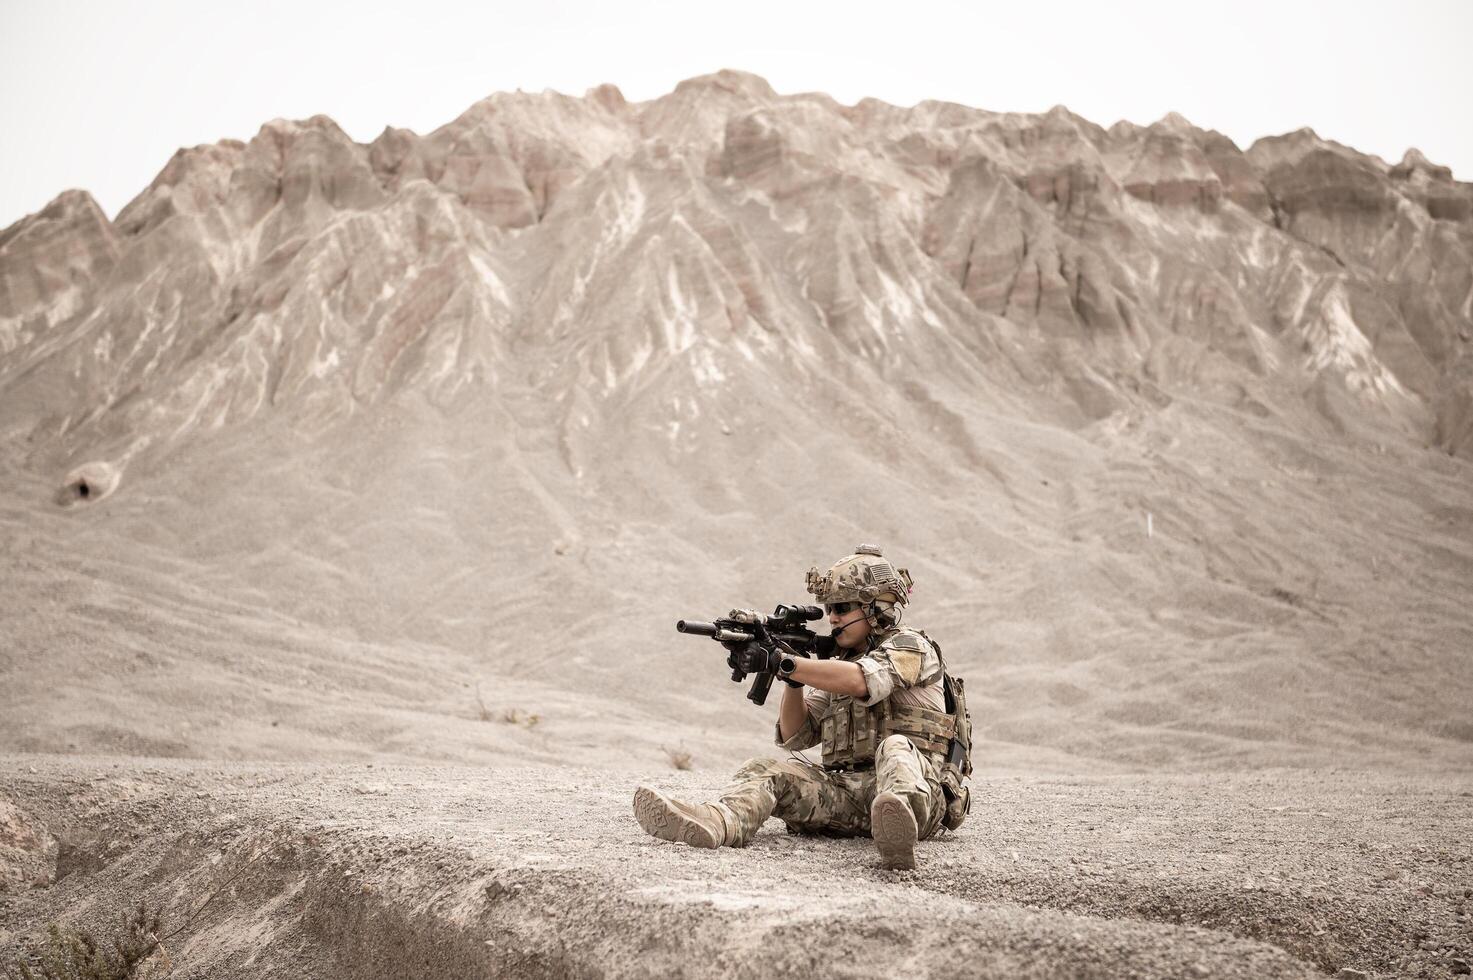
x=756, y=659
x=745, y=616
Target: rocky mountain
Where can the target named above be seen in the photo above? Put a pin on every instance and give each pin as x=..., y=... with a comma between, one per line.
x=1173, y=434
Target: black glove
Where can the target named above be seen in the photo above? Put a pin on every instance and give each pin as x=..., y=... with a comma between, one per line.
x=754, y=658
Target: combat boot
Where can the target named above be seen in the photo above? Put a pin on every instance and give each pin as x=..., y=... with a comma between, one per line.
x=892, y=824
x=699, y=825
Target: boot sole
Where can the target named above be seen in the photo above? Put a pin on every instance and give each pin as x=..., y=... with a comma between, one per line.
x=893, y=827
x=661, y=819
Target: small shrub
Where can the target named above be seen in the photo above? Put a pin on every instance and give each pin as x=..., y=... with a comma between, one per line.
x=679, y=758
x=73, y=954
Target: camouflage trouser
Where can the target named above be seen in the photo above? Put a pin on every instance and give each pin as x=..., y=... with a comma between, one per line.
x=813, y=800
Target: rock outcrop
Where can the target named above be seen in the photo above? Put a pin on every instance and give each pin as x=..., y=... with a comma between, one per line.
x=51, y=267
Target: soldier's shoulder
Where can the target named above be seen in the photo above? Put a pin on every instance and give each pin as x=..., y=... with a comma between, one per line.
x=906, y=638
x=912, y=655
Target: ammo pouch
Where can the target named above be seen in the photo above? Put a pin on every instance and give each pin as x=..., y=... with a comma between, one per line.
x=958, y=763
x=851, y=732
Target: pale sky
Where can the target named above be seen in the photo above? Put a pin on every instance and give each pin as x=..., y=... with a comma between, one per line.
x=99, y=95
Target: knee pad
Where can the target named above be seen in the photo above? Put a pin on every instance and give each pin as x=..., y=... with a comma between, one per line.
x=758, y=767
x=893, y=743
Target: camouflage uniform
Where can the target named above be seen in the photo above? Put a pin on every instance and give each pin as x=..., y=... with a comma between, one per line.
x=812, y=799
x=884, y=754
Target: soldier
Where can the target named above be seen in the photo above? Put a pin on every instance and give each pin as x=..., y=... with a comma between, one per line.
x=879, y=708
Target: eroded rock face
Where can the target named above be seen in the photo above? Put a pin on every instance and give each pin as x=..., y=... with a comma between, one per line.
x=27, y=850
x=1433, y=187
x=1011, y=259
x=51, y=265
x=591, y=243
x=1169, y=168
x=1240, y=182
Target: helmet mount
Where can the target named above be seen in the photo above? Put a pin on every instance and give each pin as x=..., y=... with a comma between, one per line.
x=866, y=577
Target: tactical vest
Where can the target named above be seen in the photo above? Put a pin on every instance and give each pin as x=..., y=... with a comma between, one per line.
x=851, y=733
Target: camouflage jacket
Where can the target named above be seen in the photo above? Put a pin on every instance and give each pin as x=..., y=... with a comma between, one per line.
x=900, y=664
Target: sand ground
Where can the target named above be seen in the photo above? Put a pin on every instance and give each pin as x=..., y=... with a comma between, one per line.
x=368, y=870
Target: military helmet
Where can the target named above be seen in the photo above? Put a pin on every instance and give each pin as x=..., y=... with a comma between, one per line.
x=866, y=576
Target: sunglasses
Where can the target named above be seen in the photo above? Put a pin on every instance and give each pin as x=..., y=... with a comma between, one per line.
x=839, y=607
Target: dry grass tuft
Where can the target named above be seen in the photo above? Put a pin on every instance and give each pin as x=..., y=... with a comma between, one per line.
x=507, y=716
x=679, y=758
x=516, y=716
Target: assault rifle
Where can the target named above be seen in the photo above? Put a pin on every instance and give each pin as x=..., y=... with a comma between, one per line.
x=784, y=628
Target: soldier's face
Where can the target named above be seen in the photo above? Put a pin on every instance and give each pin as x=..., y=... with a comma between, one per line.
x=849, y=629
